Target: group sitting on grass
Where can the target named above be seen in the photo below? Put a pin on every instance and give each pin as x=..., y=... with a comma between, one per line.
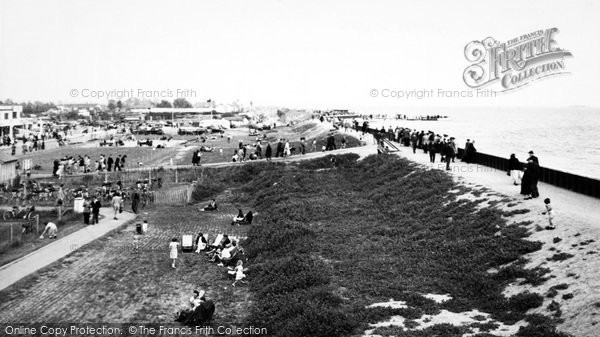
x=241, y=219
x=226, y=252
x=212, y=206
x=200, y=313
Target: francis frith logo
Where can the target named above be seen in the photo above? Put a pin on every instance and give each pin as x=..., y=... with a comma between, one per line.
x=516, y=63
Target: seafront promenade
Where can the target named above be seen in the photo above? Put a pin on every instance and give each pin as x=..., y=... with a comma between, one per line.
x=577, y=233
x=61, y=247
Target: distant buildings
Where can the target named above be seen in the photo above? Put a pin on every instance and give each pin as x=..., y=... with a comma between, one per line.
x=203, y=112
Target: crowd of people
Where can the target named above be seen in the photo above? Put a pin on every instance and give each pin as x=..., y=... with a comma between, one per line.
x=429, y=142
x=84, y=164
x=283, y=148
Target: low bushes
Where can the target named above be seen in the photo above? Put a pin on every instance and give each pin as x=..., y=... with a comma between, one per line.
x=379, y=229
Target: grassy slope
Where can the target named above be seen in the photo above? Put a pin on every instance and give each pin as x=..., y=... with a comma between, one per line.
x=333, y=240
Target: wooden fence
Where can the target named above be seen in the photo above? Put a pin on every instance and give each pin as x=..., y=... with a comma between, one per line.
x=12, y=231
x=174, y=196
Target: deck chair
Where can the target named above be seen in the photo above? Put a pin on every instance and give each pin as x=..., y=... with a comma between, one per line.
x=217, y=241
x=187, y=243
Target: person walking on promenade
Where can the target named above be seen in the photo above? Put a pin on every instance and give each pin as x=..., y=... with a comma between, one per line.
x=135, y=201
x=470, y=151
x=258, y=150
x=286, y=148
x=118, y=163
x=432, y=147
x=550, y=212
x=87, y=209
x=279, y=149
x=533, y=157
x=117, y=203
x=413, y=140
x=95, y=210
x=110, y=162
x=515, y=169
x=448, y=153
x=454, y=149
x=530, y=179
x=195, y=158
x=268, y=152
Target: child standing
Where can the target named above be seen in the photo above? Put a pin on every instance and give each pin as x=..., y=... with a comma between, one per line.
x=173, y=248
x=239, y=273
x=550, y=213
x=136, y=241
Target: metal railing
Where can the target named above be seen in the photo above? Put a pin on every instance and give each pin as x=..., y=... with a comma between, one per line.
x=573, y=182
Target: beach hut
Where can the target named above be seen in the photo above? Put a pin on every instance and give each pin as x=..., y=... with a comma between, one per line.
x=8, y=170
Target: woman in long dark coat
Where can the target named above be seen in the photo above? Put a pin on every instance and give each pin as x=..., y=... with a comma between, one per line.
x=534, y=173
x=268, y=152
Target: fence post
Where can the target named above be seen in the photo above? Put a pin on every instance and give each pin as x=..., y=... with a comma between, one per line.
x=11, y=234
x=176, y=174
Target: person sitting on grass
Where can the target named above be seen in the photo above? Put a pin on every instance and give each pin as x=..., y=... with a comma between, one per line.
x=203, y=314
x=239, y=216
x=226, y=254
x=212, y=206
x=216, y=247
x=201, y=243
x=195, y=302
x=238, y=271
x=245, y=219
x=51, y=229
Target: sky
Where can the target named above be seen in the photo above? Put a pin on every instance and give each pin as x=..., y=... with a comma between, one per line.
x=304, y=54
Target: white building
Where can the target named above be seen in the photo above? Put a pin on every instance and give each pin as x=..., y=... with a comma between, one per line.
x=10, y=118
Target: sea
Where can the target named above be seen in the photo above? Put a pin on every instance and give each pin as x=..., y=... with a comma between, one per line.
x=565, y=139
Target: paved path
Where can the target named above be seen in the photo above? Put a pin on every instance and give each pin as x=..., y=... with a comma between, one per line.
x=16, y=270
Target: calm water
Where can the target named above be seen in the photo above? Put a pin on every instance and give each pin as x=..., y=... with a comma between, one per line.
x=566, y=139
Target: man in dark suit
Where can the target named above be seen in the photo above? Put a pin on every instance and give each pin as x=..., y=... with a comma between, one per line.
x=110, y=163
x=534, y=158
x=533, y=176
x=95, y=210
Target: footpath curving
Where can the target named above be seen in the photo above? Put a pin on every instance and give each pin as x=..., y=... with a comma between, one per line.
x=34, y=261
